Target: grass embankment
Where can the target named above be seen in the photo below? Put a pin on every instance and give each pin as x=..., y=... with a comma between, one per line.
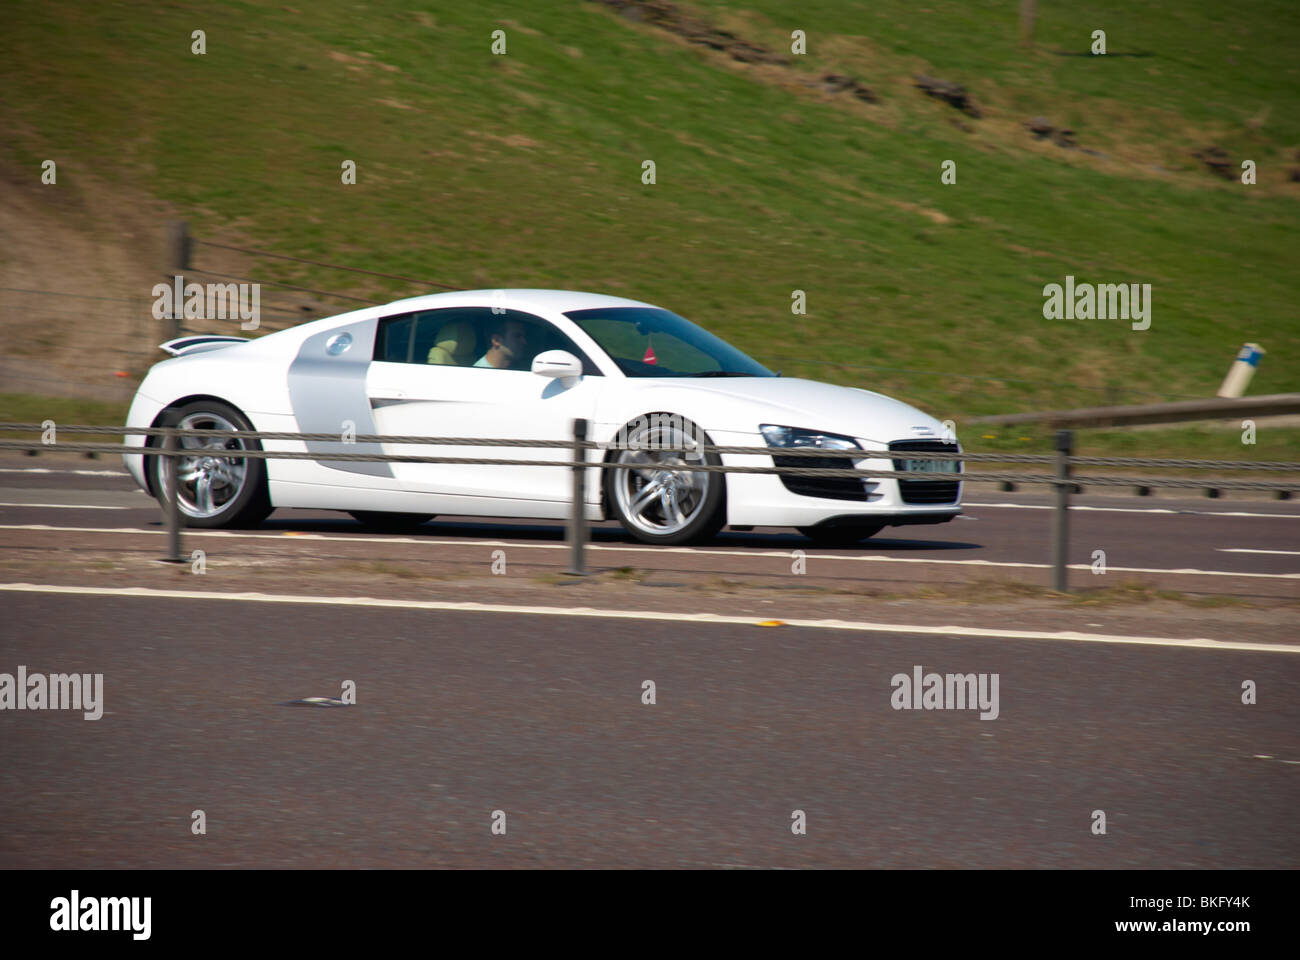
x=525, y=170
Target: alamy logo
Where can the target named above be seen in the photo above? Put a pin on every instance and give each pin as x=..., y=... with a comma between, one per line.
x=102, y=913
x=1104, y=301
x=58, y=691
x=208, y=301
x=952, y=691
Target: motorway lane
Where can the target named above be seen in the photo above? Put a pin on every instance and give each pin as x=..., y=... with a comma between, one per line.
x=64, y=473
x=462, y=714
x=1235, y=536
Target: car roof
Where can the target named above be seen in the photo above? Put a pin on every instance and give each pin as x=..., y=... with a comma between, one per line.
x=526, y=300
x=560, y=301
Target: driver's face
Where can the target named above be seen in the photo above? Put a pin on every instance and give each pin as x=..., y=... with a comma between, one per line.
x=516, y=340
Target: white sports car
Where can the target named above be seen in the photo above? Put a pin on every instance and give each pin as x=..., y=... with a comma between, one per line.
x=524, y=364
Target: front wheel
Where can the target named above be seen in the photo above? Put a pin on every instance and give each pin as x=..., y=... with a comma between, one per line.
x=214, y=487
x=655, y=499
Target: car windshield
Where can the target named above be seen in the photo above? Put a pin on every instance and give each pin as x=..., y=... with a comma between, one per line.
x=650, y=342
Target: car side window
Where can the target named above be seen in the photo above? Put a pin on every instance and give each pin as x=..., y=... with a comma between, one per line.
x=447, y=337
x=472, y=337
x=509, y=340
x=393, y=341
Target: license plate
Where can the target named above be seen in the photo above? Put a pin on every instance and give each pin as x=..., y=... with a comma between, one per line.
x=931, y=466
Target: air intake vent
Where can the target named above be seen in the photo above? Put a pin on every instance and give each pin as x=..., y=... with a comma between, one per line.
x=833, y=488
x=942, y=489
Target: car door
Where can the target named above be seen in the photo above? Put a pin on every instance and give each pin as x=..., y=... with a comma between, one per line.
x=426, y=381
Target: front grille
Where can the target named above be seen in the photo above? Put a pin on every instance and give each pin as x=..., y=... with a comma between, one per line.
x=833, y=488
x=926, y=491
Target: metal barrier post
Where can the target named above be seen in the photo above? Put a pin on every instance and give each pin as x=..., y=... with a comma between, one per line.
x=179, y=244
x=172, y=508
x=578, y=519
x=1061, y=516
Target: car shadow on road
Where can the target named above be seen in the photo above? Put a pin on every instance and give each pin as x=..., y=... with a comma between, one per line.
x=602, y=533
x=796, y=541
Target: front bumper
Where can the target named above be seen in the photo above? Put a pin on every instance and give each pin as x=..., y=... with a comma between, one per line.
x=763, y=500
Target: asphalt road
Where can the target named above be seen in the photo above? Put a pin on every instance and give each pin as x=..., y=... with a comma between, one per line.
x=540, y=715
x=459, y=715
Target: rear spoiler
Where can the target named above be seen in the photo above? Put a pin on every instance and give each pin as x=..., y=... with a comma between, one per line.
x=183, y=346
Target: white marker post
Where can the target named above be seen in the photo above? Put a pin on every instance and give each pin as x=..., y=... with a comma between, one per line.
x=1242, y=369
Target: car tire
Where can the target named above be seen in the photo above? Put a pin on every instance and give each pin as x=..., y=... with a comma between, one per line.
x=840, y=534
x=215, y=490
x=391, y=522
x=655, y=503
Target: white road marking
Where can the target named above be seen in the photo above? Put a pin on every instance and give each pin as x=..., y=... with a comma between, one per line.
x=149, y=592
x=1195, y=513
x=80, y=473
x=1285, y=553
x=784, y=555
x=63, y=506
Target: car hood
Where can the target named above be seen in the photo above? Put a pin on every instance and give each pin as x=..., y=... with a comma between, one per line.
x=850, y=411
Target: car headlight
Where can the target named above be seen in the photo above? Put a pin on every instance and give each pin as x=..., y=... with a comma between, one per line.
x=778, y=436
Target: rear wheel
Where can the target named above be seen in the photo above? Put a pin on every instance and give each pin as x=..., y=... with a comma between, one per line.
x=214, y=488
x=841, y=534
x=656, y=500
x=391, y=522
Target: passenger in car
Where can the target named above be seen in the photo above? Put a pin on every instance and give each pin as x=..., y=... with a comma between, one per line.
x=455, y=344
x=509, y=341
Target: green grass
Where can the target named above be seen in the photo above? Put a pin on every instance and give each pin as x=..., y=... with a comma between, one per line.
x=1198, y=441
x=524, y=170
x=31, y=408
x=1176, y=66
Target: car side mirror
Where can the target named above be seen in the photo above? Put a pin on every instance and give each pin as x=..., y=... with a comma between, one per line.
x=558, y=364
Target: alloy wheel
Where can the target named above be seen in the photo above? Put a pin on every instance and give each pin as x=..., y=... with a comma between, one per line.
x=209, y=479
x=658, y=496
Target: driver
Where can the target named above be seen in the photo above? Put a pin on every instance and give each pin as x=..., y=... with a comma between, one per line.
x=509, y=341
